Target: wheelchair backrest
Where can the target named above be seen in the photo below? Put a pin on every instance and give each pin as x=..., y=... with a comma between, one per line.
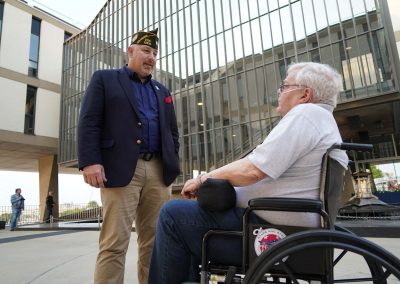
x=332, y=184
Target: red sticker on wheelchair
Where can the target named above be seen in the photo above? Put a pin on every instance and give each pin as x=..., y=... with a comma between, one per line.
x=265, y=238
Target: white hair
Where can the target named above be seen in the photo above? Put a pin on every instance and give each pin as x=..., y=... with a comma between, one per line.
x=325, y=81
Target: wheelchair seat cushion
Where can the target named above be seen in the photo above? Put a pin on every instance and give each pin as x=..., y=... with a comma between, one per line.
x=216, y=195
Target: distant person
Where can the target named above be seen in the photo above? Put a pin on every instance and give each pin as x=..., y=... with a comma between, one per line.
x=392, y=185
x=18, y=205
x=128, y=146
x=49, y=205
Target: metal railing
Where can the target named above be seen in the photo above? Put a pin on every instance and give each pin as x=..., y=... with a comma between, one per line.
x=67, y=212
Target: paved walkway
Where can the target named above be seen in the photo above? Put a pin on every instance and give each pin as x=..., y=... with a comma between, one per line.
x=68, y=256
x=58, y=257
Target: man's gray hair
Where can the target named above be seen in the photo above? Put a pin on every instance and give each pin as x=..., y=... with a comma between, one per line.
x=325, y=81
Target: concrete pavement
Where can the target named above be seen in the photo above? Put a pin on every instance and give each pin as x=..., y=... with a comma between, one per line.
x=68, y=256
x=59, y=257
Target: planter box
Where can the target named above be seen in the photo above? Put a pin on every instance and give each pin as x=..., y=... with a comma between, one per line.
x=388, y=197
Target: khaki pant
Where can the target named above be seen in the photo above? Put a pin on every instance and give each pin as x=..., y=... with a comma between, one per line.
x=141, y=201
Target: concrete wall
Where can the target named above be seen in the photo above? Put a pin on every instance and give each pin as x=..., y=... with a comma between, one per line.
x=50, y=53
x=12, y=105
x=15, y=39
x=47, y=114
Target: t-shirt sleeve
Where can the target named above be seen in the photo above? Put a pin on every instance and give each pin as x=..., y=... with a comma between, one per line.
x=292, y=138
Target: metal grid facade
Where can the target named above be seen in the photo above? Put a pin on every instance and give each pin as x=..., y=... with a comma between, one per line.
x=223, y=61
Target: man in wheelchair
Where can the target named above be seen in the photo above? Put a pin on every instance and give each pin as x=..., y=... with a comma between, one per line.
x=286, y=164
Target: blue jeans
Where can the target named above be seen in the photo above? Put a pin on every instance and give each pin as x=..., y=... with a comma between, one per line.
x=14, y=217
x=177, y=247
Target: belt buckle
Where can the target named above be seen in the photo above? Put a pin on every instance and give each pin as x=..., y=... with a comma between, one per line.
x=147, y=156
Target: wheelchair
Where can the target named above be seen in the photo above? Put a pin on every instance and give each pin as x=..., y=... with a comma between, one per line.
x=288, y=254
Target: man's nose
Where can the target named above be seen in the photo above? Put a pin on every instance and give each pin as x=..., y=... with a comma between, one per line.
x=153, y=57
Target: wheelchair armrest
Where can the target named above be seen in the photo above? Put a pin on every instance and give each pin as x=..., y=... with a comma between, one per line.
x=286, y=204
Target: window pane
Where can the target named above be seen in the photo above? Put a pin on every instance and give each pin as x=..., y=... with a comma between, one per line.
x=384, y=68
x=34, y=48
x=30, y=110
x=208, y=105
x=287, y=28
x=211, y=147
x=276, y=28
x=244, y=11
x=1, y=17
x=298, y=21
x=35, y=29
x=218, y=16
x=266, y=32
x=195, y=24
x=238, y=43
x=309, y=17
x=321, y=19
x=226, y=14
x=216, y=101
x=235, y=12
x=67, y=35
x=375, y=18
x=333, y=13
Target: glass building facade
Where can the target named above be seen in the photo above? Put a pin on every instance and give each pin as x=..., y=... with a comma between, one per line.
x=223, y=61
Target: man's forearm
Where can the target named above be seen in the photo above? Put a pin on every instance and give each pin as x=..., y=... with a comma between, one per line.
x=238, y=173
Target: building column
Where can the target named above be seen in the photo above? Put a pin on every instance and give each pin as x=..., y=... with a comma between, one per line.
x=48, y=181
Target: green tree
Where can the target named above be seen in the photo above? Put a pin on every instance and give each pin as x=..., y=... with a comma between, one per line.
x=5, y=217
x=92, y=204
x=376, y=173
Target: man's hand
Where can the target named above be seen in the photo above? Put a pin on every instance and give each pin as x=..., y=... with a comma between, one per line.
x=94, y=175
x=190, y=189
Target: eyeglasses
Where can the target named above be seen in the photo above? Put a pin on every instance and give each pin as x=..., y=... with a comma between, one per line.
x=283, y=86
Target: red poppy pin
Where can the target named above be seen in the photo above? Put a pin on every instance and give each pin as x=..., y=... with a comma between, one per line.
x=168, y=100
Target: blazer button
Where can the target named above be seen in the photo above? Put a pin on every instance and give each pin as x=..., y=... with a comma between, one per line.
x=138, y=141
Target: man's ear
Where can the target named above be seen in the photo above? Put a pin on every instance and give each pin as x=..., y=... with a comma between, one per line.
x=307, y=96
x=130, y=50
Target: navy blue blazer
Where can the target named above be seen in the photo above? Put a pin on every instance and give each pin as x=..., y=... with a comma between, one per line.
x=109, y=128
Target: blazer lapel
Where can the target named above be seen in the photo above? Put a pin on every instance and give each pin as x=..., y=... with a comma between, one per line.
x=127, y=87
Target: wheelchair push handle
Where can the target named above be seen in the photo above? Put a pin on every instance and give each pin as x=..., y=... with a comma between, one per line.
x=353, y=146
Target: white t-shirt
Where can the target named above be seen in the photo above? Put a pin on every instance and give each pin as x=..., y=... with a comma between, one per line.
x=291, y=157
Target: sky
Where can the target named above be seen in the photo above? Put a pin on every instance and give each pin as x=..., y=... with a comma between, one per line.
x=77, y=12
x=72, y=188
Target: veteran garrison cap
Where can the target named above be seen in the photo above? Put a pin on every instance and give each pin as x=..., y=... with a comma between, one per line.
x=146, y=38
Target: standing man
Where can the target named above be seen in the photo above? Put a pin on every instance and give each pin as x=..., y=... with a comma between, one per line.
x=49, y=204
x=18, y=205
x=128, y=146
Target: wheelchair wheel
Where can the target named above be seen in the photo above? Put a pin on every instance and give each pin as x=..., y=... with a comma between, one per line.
x=353, y=259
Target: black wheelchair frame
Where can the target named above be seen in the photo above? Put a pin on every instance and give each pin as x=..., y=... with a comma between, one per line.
x=285, y=260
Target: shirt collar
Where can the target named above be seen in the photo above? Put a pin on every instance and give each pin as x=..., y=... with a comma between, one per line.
x=326, y=106
x=134, y=76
